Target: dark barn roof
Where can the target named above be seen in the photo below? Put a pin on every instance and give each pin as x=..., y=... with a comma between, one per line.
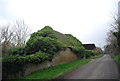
x=89, y=46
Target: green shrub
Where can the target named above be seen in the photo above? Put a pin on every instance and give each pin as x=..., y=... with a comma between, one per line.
x=76, y=46
x=43, y=44
x=89, y=53
x=44, y=40
x=79, y=51
x=15, y=51
x=47, y=31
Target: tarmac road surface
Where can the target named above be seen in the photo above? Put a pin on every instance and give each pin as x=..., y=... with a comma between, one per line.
x=101, y=68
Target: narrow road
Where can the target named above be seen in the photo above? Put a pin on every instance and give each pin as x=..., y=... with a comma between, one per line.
x=101, y=68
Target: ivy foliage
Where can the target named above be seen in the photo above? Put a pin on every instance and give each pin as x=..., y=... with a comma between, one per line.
x=76, y=46
x=16, y=51
x=44, y=40
x=73, y=40
x=79, y=51
x=13, y=64
x=89, y=53
x=43, y=44
x=38, y=57
x=47, y=31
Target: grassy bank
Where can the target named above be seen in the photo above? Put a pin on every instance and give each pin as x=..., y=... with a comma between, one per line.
x=116, y=58
x=97, y=56
x=56, y=71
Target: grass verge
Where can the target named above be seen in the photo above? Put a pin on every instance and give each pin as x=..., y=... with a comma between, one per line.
x=55, y=71
x=97, y=56
x=116, y=58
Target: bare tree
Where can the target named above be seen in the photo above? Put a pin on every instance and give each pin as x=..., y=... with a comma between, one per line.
x=113, y=38
x=21, y=33
x=6, y=35
x=107, y=49
x=13, y=35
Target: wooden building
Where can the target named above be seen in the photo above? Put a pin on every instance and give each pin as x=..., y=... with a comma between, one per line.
x=89, y=46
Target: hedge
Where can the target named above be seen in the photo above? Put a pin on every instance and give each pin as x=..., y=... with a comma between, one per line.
x=38, y=57
x=12, y=64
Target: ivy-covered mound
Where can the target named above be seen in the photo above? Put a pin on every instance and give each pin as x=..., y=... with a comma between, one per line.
x=41, y=46
x=44, y=40
x=50, y=41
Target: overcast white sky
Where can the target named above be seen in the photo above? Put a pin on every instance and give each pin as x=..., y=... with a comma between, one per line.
x=88, y=20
